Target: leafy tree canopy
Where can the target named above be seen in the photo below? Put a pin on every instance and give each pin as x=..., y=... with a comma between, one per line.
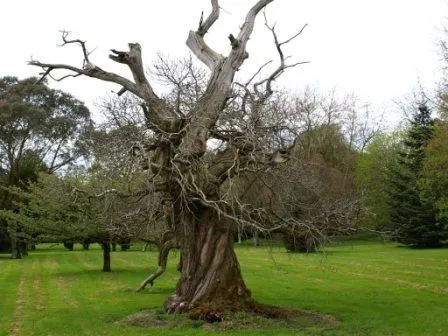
x=41, y=129
x=33, y=117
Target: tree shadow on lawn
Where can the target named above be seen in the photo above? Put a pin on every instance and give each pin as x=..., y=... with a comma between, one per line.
x=97, y=274
x=155, y=290
x=325, y=252
x=422, y=248
x=6, y=256
x=133, y=277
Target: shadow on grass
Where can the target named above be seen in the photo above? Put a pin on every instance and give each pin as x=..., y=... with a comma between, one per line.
x=50, y=249
x=323, y=253
x=97, y=273
x=4, y=256
x=154, y=290
x=420, y=248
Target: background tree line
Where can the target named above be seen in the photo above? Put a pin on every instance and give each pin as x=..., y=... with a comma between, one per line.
x=358, y=178
x=105, y=198
x=401, y=176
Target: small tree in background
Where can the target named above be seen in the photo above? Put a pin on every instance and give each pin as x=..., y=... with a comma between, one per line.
x=71, y=210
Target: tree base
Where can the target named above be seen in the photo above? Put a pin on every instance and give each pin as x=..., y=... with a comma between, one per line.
x=237, y=299
x=244, y=316
x=214, y=311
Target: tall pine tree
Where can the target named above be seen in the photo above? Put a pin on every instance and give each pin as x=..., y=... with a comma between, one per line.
x=412, y=219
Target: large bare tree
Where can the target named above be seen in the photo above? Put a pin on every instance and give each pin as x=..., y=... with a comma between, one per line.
x=189, y=175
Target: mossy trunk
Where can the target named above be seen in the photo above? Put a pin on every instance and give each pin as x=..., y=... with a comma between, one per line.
x=210, y=272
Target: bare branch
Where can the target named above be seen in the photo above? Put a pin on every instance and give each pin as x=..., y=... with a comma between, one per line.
x=247, y=93
x=211, y=19
x=196, y=43
x=295, y=35
x=112, y=191
x=282, y=67
x=65, y=41
x=95, y=72
x=159, y=115
x=257, y=73
x=60, y=79
x=133, y=59
x=239, y=54
x=219, y=87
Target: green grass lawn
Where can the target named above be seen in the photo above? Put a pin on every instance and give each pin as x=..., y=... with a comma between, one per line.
x=369, y=287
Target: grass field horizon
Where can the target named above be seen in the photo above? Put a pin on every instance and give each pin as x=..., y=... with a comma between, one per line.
x=369, y=287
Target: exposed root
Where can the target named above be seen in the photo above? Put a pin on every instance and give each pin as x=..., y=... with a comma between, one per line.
x=165, y=249
x=150, y=280
x=208, y=311
x=175, y=304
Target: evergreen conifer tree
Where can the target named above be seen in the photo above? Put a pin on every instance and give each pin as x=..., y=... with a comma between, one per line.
x=412, y=219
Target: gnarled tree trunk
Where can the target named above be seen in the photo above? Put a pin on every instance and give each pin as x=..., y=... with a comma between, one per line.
x=210, y=272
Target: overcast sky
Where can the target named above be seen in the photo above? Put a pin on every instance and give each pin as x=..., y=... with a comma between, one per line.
x=378, y=49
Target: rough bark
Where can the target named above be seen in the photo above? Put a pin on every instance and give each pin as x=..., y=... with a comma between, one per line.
x=210, y=272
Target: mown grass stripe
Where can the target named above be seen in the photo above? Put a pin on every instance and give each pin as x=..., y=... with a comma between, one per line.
x=19, y=304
